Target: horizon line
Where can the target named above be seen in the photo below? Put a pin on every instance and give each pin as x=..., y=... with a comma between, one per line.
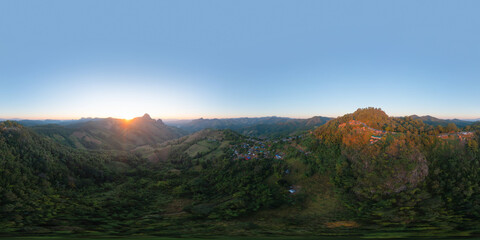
x=223, y=117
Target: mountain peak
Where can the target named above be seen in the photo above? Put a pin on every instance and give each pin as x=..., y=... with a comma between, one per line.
x=146, y=116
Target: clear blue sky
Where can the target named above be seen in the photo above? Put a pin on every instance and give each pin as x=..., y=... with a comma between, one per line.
x=188, y=59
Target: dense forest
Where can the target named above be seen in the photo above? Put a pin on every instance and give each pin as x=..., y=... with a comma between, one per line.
x=358, y=174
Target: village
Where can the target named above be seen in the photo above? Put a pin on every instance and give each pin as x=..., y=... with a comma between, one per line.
x=254, y=149
x=462, y=136
x=377, y=135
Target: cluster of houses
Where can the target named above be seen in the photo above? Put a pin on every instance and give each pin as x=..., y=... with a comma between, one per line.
x=352, y=122
x=462, y=136
x=10, y=128
x=378, y=134
x=374, y=139
x=254, y=149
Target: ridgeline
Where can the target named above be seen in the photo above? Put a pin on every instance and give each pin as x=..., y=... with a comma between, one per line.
x=356, y=175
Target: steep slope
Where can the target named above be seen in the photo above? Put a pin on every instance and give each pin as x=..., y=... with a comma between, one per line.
x=111, y=133
x=38, y=175
x=390, y=168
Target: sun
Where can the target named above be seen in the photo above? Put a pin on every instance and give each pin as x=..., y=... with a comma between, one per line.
x=127, y=116
x=122, y=110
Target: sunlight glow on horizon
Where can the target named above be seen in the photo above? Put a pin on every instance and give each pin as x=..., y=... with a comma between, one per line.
x=127, y=95
x=193, y=59
x=132, y=115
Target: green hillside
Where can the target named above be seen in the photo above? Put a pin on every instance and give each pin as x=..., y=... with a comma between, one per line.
x=362, y=174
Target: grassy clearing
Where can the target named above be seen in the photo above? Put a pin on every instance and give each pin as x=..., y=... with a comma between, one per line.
x=201, y=147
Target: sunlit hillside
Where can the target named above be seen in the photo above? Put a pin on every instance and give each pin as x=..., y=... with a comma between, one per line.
x=358, y=172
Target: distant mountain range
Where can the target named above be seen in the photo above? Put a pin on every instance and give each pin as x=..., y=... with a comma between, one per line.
x=258, y=127
x=110, y=133
x=443, y=122
x=471, y=120
x=29, y=123
x=224, y=123
x=120, y=134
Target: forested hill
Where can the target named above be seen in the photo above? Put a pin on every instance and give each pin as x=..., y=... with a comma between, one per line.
x=40, y=179
x=378, y=119
x=359, y=174
x=111, y=133
x=402, y=171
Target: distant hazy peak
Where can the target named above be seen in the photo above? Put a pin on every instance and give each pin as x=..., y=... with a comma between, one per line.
x=146, y=116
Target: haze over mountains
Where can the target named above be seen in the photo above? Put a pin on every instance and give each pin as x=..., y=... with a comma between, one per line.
x=104, y=133
x=443, y=122
x=120, y=134
x=193, y=125
x=110, y=133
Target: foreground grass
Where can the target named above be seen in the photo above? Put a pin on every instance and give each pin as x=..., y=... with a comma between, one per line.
x=371, y=236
